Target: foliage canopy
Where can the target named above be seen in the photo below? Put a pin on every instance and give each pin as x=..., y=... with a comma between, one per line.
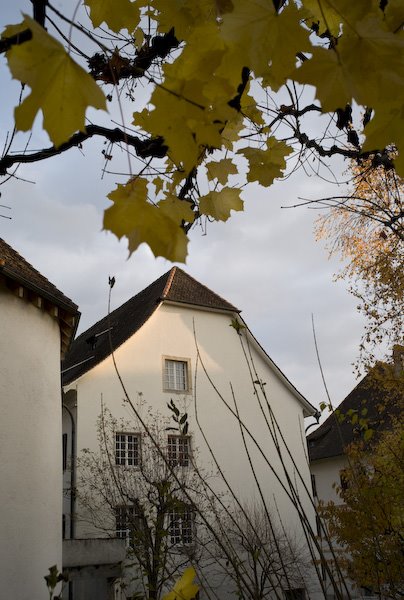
x=370, y=523
x=224, y=100
x=367, y=230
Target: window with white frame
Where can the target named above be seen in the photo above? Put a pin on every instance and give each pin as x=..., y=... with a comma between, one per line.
x=127, y=449
x=178, y=450
x=127, y=521
x=176, y=375
x=181, y=526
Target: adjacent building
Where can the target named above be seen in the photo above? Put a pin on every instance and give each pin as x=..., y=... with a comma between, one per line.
x=373, y=404
x=36, y=326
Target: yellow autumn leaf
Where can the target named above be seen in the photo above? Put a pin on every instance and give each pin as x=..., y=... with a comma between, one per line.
x=221, y=170
x=379, y=53
x=266, y=165
x=59, y=86
x=387, y=128
x=263, y=40
x=159, y=184
x=219, y=204
x=176, y=209
x=184, y=588
x=182, y=15
x=394, y=12
x=326, y=73
x=330, y=14
x=183, y=149
x=139, y=221
x=117, y=14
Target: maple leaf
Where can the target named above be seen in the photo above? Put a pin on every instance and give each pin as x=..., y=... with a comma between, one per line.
x=384, y=130
x=221, y=170
x=134, y=217
x=326, y=73
x=219, y=204
x=372, y=49
x=262, y=39
x=178, y=136
x=59, y=86
x=266, y=165
x=330, y=14
x=179, y=210
x=117, y=14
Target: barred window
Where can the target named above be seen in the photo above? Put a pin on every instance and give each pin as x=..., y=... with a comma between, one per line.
x=176, y=375
x=127, y=449
x=127, y=520
x=295, y=594
x=178, y=450
x=182, y=526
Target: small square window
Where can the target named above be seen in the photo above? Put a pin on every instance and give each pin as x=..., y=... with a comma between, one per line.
x=176, y=375
x=178, y=450
x=127, y=449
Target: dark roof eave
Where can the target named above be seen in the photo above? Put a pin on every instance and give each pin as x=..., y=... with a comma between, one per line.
x=68, y=306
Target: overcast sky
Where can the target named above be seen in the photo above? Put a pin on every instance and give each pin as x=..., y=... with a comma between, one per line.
x=265, y=260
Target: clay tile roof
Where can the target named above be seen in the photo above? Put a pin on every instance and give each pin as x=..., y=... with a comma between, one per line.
x=378, y=397
x=16, y=268
x=183, y=288
x=20, y=274
x=94, y=345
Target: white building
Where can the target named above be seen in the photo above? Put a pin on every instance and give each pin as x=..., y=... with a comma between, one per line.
x=378, y=397
x=179, y=340
x=37, y=323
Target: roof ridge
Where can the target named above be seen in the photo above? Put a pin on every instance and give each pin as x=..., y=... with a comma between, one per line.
x=169, y=282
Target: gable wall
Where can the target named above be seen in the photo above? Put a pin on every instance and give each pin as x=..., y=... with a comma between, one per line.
x=169, y=332
x=327, y=473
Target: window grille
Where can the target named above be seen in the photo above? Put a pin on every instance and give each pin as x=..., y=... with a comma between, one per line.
x=127, y=520
x=127, y=449
x=182, y=526
x=178, y=450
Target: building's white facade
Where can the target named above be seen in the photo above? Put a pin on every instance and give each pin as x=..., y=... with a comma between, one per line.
x=223, y=366
x=30, y=427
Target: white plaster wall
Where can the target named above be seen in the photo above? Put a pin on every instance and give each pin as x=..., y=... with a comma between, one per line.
x=30, y=448
x=327, y=474
x=169, y=332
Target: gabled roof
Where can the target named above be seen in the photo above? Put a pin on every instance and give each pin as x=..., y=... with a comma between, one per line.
x=23, y=279
x=378, y=397
x=95, y=344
